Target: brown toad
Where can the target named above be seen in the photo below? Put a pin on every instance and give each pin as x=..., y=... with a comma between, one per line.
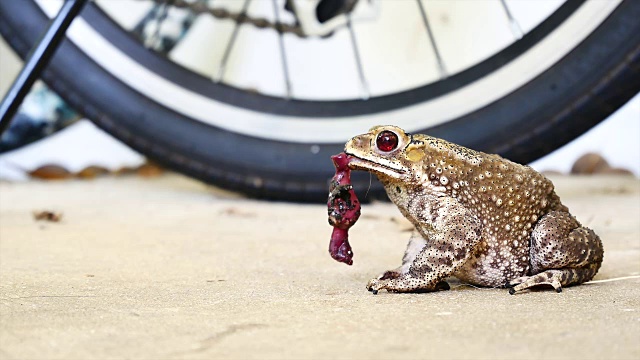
x=479, y=217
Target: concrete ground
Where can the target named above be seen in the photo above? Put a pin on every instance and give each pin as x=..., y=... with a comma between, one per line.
x=167, y=268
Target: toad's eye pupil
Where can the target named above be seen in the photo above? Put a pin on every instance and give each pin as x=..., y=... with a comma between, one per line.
x=387, y=141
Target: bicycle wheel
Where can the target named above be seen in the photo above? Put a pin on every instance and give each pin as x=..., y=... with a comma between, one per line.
x=561, y=78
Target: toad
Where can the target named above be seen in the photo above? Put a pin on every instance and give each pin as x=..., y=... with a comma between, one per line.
x=478, y=217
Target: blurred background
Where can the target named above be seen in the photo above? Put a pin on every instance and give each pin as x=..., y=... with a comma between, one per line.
x=466, y=32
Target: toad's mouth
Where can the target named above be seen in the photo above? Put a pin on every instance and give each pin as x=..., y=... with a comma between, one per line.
x=388, y=169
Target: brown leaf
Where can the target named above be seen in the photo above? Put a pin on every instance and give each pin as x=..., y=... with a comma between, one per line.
x=45, y=215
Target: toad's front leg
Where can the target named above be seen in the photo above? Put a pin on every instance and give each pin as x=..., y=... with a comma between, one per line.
x=446, y=241
x=414, y=247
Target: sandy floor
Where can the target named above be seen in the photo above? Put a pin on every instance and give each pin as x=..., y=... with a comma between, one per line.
x=168, y=268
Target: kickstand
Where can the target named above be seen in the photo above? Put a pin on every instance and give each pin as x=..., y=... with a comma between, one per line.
x=37, y=60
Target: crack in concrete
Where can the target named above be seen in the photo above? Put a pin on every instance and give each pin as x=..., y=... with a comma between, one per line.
x=214, y=339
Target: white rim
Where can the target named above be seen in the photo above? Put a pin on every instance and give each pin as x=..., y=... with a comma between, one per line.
x=315, y=130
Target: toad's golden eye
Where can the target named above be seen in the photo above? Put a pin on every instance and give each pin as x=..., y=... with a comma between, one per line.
x=387, y=141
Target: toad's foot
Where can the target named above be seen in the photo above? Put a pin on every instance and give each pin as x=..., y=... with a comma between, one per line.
x=379, y=283
x=391, y=274
x=516, y=281
x=403, y=283
x=554, y=278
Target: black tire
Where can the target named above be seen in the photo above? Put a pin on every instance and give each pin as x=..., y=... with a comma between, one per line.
x=588, y=84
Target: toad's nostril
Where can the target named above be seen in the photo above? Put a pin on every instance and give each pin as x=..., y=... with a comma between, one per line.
x=356, y=142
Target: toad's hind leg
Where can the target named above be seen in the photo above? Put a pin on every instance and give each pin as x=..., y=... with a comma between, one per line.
x=563, y=253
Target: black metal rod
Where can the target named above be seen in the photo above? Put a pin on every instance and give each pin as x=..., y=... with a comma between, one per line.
x=38, y=60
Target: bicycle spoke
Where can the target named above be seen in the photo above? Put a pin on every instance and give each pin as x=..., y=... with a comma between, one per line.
x=283, y=55
x=232, y=40
x=441, y=67
x=363, y=81
x=516, y=30
x=161, y=17
x=158, y=16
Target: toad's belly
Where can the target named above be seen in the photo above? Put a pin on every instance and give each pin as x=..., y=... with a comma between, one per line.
x=494, y=263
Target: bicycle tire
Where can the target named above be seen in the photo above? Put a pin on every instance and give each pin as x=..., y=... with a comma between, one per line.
x=580, y=90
